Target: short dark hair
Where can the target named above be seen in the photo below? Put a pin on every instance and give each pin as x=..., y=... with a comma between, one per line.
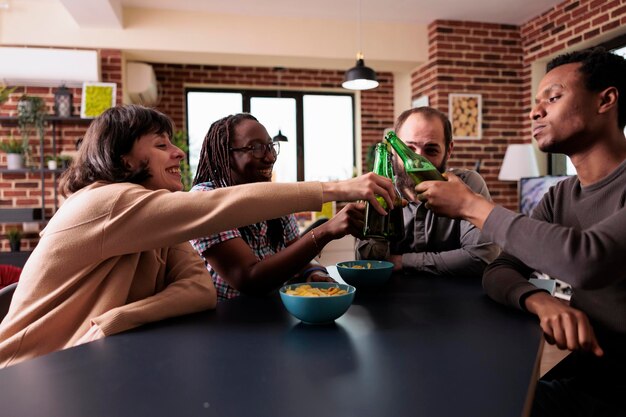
x=428, y=113
x=109, y=137
x=601, y=69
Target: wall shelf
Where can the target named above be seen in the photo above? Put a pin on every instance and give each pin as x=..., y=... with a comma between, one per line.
x=20, y=215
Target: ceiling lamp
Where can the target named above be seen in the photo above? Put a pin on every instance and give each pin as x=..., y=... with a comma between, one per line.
x=360, y=77
x=279, y=137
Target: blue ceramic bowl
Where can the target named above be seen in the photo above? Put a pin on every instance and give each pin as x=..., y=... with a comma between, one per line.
x=318, y=310
x=365, y=273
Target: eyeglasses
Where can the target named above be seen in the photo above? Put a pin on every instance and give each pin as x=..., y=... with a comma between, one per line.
x=259, y=149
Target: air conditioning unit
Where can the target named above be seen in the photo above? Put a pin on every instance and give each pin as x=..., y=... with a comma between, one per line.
x=48, y=67
x=141, y=84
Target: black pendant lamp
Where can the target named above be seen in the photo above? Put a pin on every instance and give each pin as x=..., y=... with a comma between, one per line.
x=359, y=77
x=279, y=137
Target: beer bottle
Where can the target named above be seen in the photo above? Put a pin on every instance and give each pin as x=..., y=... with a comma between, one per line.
x=395, y=229
x=376, y=224
x=416, y=166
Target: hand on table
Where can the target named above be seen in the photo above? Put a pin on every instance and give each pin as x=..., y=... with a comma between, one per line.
x=562, y=325
x=319, y=277
x=396, y=260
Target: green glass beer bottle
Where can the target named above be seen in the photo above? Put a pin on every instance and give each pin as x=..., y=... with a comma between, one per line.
x=395, y=227
x=416, y=166
x=376, y=224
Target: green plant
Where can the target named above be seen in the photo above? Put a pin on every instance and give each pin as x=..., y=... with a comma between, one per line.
x=64, y=161
x=180, y=139
x=31, y=113
x=14, y=235
x=13, y=146
x=369, y=158
x=5, y=92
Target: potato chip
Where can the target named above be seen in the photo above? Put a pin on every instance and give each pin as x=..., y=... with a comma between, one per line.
x=308, y=291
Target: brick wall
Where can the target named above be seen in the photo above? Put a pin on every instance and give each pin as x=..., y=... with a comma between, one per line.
x=24, y=189
x=486, y=59
x=567, y=25
x=495, y=61
x=376, y=105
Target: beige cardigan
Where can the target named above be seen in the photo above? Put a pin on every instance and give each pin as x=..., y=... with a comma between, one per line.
x=117, y=255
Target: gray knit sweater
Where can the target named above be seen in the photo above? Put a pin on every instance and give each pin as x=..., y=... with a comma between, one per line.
x=578, y=235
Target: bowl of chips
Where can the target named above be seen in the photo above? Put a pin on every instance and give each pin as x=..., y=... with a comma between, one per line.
x=317, y=302
x=365, y=273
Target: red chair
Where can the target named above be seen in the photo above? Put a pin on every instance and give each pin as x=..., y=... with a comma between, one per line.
x=9, y=274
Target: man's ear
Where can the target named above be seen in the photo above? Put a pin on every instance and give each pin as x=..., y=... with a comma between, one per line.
x=450, y=148
x=608, y=99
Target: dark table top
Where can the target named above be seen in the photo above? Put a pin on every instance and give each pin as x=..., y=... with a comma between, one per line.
x=420, y=346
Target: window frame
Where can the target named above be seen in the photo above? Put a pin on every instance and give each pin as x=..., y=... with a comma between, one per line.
x=248, y=93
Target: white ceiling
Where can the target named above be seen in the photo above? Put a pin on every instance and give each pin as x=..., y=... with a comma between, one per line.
x=414, y=11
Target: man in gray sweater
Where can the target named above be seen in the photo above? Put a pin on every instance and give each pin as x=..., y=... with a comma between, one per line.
x=577, y=234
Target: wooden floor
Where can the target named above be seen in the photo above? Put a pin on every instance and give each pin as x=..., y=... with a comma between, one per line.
x=550, y=357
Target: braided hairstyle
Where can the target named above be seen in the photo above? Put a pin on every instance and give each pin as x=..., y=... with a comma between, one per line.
x=214, y=166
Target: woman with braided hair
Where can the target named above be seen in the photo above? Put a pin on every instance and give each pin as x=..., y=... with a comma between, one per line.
x=260, y=257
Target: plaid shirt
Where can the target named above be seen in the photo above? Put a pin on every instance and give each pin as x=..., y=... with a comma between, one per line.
x=260, y=244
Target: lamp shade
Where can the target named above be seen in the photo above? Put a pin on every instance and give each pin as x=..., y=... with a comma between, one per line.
x=360, y=77
x=279, y=137
x=519, y=161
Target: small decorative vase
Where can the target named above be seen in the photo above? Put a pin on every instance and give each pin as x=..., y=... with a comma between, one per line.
x=52, y=164
x=15, y=161
x=15, y=245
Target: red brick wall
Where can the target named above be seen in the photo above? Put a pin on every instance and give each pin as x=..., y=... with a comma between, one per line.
x=478, y=58
x=565, y=26
x=24, y=189
x=495, y=61
x=376, y=105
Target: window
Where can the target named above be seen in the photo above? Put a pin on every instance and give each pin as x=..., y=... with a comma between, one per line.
x=319, y=128
x=202, y=110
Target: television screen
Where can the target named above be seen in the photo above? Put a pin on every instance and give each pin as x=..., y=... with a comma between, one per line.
x=532, y=189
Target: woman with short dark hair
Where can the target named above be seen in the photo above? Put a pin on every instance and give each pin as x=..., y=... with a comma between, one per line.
x=116, y=255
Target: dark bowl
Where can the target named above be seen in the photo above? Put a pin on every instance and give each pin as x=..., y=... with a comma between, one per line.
x=365, y=273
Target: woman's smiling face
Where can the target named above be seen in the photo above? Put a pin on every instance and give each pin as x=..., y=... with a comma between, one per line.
x=244, y=167
x=163, y=160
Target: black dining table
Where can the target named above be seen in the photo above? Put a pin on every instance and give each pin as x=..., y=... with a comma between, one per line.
x=419, y=346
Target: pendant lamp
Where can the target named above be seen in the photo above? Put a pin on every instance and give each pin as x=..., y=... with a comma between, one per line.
x=360, y=77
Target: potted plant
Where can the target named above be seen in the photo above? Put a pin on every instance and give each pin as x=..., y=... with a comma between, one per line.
x=31, y=113
x=15, y=151
x=15, y=239
x=64, y=161
x=52, y=162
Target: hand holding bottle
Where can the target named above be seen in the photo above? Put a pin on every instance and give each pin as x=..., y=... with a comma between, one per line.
x=365, y=187
x=416, y=166
x=454, y=199
x=348, y=221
